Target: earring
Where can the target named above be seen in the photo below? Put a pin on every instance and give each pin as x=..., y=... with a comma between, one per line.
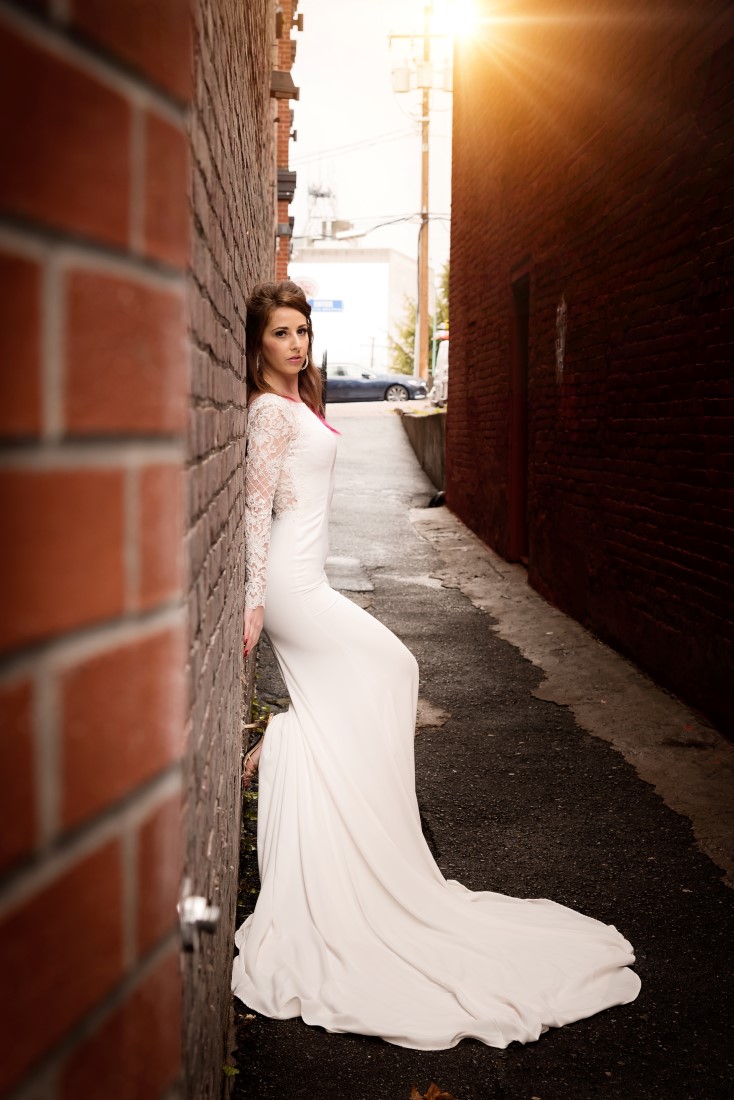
x=305, y=364
x=257, y=363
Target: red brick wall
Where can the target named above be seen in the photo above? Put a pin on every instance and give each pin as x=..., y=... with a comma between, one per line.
x=233, y=187
x=122, y=415
x=594, y=156
x=93, y=413
x=285, y=53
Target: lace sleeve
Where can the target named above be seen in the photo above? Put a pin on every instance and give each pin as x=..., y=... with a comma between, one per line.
x=269, y=432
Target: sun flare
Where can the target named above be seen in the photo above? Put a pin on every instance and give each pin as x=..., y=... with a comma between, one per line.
x=455, y=18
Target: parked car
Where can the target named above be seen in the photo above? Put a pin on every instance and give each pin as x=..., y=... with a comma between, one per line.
x=350, y=382
x=439, y=391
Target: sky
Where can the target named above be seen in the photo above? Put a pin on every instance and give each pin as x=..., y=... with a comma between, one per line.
x=344, y=69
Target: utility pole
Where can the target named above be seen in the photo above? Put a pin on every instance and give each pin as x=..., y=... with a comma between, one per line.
x=410, y=76
x=423, y=250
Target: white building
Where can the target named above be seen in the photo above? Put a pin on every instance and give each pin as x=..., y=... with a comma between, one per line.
x=358, y=298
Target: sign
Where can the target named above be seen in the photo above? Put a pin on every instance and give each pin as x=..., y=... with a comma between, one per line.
x=326, y=305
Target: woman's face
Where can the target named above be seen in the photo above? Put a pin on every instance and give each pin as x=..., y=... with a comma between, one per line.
x=284, y=345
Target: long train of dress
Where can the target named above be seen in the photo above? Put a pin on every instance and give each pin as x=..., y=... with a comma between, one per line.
x=355, y=928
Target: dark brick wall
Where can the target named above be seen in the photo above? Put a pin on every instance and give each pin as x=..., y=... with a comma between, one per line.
x=232, y=149
x=595, y=157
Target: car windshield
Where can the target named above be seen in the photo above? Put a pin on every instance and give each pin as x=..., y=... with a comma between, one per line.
x=348, y=370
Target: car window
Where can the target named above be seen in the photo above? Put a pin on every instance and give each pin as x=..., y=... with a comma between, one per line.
x=346, y=370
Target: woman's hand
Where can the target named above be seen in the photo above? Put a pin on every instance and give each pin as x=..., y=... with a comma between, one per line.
x=253, y=626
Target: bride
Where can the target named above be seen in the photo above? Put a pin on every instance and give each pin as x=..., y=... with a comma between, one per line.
x=355, y=928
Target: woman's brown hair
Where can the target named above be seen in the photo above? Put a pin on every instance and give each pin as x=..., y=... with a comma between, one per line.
x=264, y=299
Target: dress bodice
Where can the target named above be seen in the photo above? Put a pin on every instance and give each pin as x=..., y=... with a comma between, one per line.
x=290, y=461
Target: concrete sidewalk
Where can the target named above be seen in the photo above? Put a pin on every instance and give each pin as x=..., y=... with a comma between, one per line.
x=536, y=753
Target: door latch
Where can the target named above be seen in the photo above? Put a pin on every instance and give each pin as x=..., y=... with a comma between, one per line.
x=195, y=915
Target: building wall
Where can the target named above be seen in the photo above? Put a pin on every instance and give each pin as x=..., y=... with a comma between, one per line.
x=372, y=284
x=93, y=393
x=593, y=159
x=122, y=415
x=285, y=55
x=233, y=188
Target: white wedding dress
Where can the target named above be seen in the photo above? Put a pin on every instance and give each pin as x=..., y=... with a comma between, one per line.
x=355, y=928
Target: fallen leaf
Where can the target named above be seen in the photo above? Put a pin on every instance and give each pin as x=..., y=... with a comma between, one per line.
x=434, y=1093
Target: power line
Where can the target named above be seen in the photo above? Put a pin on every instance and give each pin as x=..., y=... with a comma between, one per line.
x=391, y=217
x=372, y=228
x=354, y=146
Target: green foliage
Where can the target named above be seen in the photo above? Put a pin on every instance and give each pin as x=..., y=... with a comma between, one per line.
x=442, y=298
x=402, y=345
x=259, y=712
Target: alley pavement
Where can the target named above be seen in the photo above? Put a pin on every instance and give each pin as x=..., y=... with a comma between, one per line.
x=521, y=793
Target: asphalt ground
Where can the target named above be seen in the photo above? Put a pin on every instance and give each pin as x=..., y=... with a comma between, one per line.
x=515, y=797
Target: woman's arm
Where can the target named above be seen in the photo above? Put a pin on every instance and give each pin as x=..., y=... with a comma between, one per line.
x=269, y=432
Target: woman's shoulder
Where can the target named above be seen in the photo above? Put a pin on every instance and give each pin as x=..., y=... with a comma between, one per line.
x=271, y=409
x=267, y=397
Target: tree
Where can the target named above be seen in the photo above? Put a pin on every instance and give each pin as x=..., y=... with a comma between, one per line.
x=402, y=345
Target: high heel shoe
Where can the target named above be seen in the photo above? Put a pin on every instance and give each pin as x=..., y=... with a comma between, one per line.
x=250, y=769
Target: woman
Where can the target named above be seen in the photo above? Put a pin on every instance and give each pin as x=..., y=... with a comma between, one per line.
x=355, y=928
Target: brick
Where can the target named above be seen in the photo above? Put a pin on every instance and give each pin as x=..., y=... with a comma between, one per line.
x=60, y=954
x=232, y=208
x=126, y=356
x=159, y=869
x=66, y=152
x=56, y=575
x=136, y=1053
x=622, y=459
x=153, y=38
x=122, y=721
x=161, y=533
x=166, y=192
x=43, y=1090
x=20, y=346
x=18, y=834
